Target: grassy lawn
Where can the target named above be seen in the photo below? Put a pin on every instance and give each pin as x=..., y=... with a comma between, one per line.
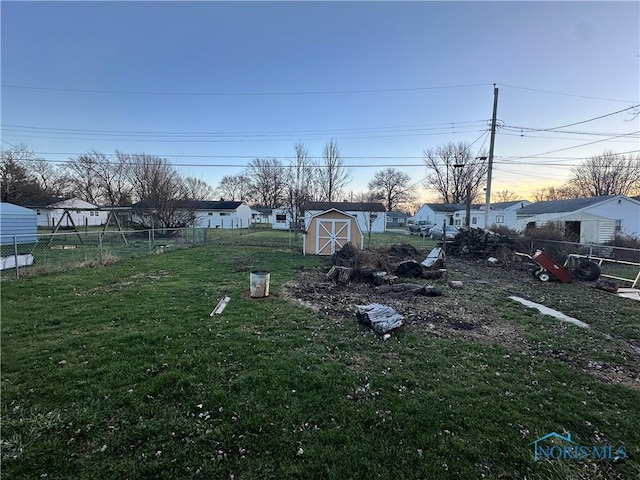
x=120, y=372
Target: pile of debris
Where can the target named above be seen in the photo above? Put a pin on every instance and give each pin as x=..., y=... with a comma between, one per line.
x=478, y=243
x=383, y=267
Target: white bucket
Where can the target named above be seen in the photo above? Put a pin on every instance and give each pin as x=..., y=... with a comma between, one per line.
x=259, y=283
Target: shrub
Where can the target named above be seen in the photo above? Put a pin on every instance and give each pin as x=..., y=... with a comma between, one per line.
x=625, y=241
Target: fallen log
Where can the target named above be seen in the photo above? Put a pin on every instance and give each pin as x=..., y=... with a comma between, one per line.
x=340, y=275
x=410, y=288
x=380, y=318
x=408, y=268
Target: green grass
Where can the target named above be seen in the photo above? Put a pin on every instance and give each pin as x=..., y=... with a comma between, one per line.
x=120, y=372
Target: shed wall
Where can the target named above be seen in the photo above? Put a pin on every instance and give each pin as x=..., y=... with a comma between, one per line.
x=19, y=222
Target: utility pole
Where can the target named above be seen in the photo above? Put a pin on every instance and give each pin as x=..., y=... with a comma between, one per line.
x=487, y=202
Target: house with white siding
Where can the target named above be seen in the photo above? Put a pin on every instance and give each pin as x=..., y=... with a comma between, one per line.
x=437, y=213
x=586, y=220
x=220, y=214
x=371, y=216
x=67, y=212
x=200, y=213
x=501, y=214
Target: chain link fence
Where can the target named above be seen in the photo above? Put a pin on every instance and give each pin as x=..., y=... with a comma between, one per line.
x=69, y=250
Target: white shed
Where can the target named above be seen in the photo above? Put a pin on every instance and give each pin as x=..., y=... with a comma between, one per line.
x=17, y=224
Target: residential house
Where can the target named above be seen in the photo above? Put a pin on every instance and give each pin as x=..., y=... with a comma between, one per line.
x=501, y=214
x=67, y=212
x=372, y=217
x=221, y=214
x=202, y=213
x=437, y=213
x=586, y=220
x=261, y=215
x=281, y=218
x=397, y=219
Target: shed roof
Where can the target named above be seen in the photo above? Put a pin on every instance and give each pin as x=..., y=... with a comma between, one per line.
x=346, y=206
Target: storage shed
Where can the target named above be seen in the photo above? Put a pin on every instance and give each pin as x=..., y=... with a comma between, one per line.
x=18, y=222
x=328, y=231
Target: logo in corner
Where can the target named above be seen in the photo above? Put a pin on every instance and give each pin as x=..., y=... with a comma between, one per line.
x=554, y=446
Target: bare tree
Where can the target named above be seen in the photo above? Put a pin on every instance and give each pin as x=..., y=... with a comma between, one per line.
x=369, y=196
x=266, y=182
x=505, y=196
x=234, y=187
x=607, y=174
x=51, y=181
x=157, y=184
x=17, y=183
x=394, y=187
x=332, y=174
x=101, y=179
x=299, y=182
x=546, y=194
x=452, y=168
x=82, y=175
x=197, y=189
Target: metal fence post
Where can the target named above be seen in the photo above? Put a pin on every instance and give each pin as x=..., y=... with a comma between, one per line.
x=149, y=232
x=15, y=253
x=100, y=248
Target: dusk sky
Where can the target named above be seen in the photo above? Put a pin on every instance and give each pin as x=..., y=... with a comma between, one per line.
x=212, y=85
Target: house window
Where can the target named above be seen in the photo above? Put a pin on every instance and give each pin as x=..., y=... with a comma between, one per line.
x=401, y=220
x=37, y=212
x=210, y=213
x=224, y=214
x=373, y=217
x=281, y=219
x=474, y=220
x=618, y=226
x=499, y=218
x=458, y=222
x=390, y=220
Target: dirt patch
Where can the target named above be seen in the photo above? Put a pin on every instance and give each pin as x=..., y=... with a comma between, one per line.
x=466, y=313
x=125, y=283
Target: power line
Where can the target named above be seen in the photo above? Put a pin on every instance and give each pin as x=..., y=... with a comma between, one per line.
x=567, y=94
x=243, y=140
x=247, y=133
x=242, y=94
x=587, y=120
x=579, y=146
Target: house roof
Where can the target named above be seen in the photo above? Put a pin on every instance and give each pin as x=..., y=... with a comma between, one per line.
x=195, y=204
x=446, y=207
x=504, y=205
x=44, y=202
x=263, y=211
x=346, y=206
x=563, y=206
x=397, y=215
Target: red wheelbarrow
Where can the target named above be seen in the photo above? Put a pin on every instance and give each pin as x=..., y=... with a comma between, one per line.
x=548, y=268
